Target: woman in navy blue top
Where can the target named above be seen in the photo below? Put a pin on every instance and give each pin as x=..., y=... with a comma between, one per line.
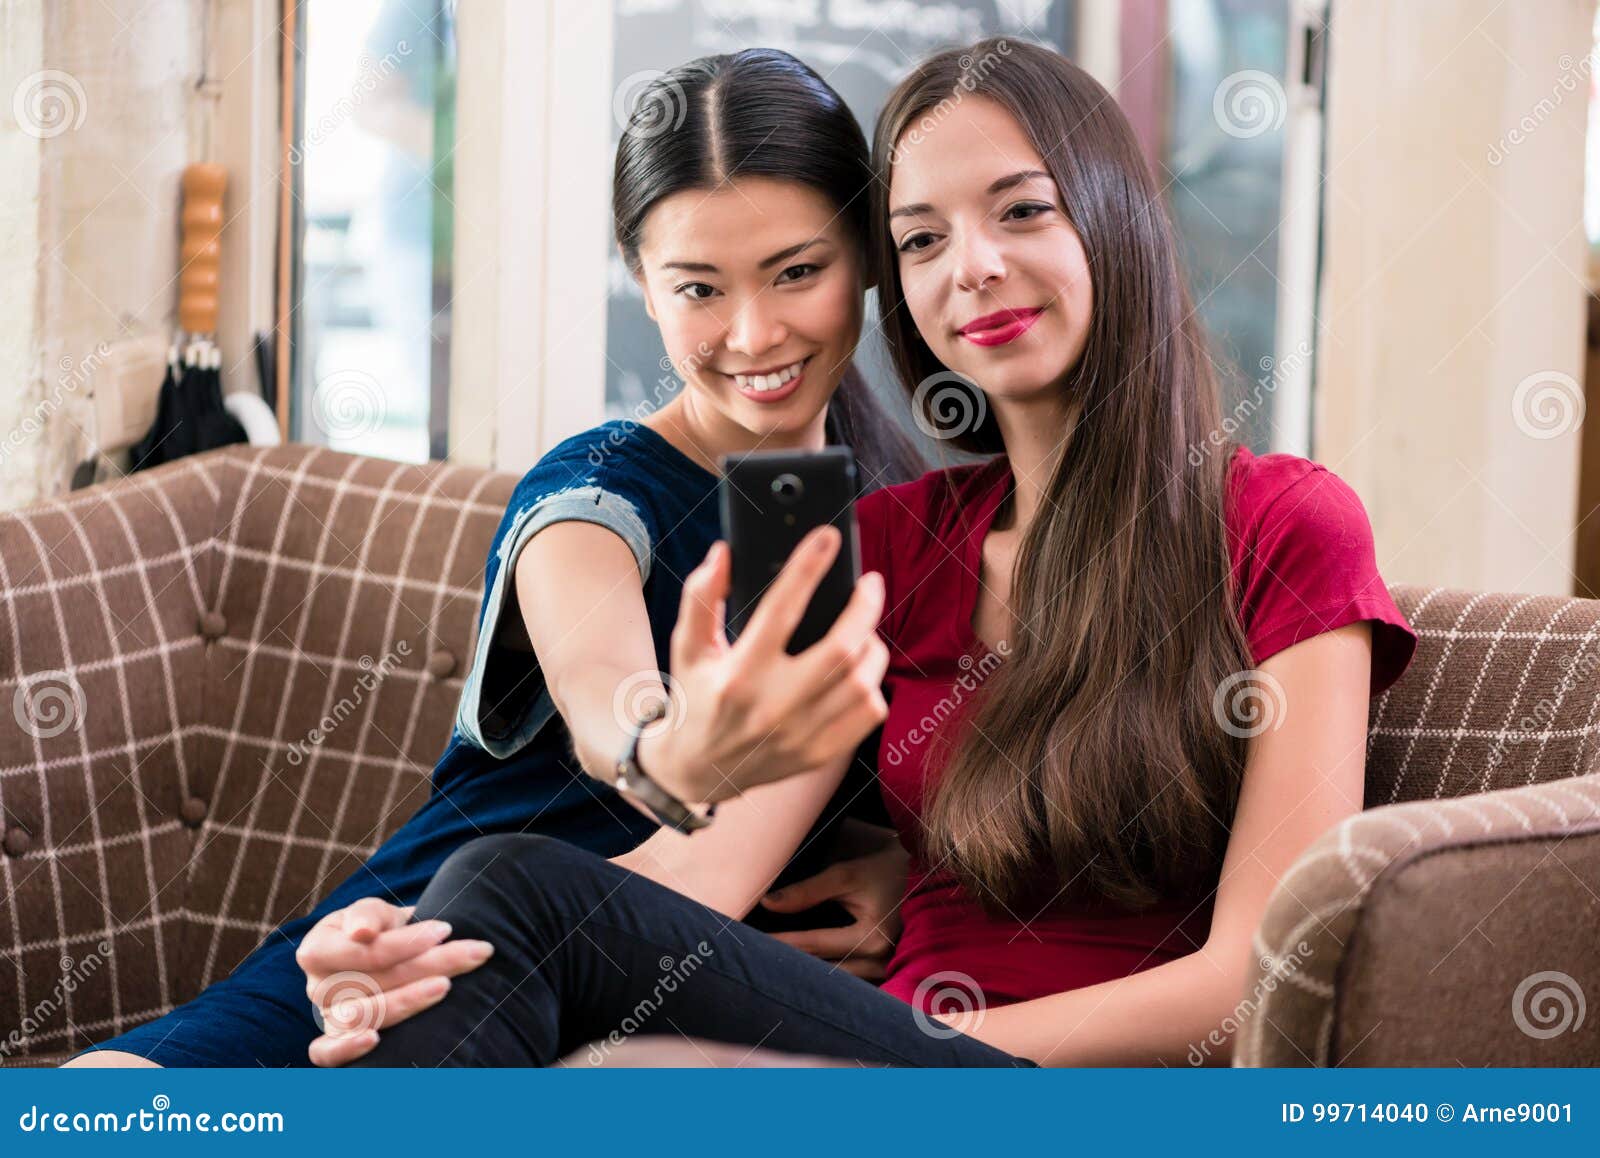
x=512, y=764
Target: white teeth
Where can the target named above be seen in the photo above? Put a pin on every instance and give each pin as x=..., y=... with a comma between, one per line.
x=764, y=382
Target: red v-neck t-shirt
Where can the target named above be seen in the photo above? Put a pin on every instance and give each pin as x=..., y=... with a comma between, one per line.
x=1303, y=563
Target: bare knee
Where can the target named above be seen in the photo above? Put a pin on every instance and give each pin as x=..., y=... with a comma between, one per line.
x=102, y=1059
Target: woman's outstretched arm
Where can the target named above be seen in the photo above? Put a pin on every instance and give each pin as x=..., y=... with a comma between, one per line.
x=728, y=706
x=1303, y=774
x=583, y=608
x=739, y=715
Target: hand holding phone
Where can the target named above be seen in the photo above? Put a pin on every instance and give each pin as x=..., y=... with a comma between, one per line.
x=762, y=707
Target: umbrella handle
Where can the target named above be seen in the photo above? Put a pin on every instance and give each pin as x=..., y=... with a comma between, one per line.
x=200, y=258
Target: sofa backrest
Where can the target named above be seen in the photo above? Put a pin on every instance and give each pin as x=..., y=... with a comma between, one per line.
x=1504, y=690
x=232, y=677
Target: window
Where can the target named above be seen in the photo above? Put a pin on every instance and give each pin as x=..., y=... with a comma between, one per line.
x=1224, y=94
x=372, y=226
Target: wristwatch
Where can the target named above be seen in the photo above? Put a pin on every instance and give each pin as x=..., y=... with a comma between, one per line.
x=632, y=779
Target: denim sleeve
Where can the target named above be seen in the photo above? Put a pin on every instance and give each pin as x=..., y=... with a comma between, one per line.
x=505, y=701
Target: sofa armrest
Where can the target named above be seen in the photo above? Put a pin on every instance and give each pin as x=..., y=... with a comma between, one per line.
x=1443, y=932
x=101, y=659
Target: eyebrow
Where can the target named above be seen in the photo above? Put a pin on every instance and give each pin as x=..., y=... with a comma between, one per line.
x=766, y=263
x=1000, y=185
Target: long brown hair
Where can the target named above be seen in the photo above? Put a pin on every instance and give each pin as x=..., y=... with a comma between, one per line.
x=1094, y=749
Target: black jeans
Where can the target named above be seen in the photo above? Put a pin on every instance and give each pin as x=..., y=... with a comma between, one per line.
x=589, y=953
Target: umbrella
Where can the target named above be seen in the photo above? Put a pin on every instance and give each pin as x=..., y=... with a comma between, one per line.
x=169, y=435
x=190, y=416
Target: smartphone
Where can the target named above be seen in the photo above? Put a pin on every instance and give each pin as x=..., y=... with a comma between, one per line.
x=770, y=500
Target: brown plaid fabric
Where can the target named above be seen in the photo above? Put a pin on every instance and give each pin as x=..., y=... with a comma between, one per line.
x=228, y=680
x=214, y=720
x=1453, y=922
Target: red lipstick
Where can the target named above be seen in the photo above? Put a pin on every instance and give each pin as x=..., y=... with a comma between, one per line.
x=1000, y=327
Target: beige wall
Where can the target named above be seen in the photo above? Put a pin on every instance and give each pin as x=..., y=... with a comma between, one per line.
x=88, y=214
x=1454, y=272
x=532, y=203
x=21, y=52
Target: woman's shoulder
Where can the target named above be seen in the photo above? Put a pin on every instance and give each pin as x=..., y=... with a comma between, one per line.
x=1305, y=561
x=620, y=458
x=1277, y=492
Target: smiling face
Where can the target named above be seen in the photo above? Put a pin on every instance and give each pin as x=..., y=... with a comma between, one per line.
x=757, y=289
x=993, y=274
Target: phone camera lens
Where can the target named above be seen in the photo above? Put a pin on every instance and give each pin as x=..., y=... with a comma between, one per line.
x=787, y=488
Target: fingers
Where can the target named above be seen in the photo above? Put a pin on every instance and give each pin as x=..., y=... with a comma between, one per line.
x=786, y=598
x=867, y=968
x=702, y=607
x=328, y=950
x=402, y=944
x=857, y=624
x=857, y=685
x=354, y=1013
x=836, y=944
x=451, y=959
x=369, y=916
x=337, y=1050
x=851, y=708
x=824, y=886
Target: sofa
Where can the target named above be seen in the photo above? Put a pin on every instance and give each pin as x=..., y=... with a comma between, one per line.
x=230, y=678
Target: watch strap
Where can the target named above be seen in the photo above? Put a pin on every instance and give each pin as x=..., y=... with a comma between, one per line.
x=668, y=809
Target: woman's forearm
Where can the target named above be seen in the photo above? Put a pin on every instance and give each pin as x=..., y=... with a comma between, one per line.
x=1164, y=1015
x=730, y=865
x=584, y=699
x=673, y=862
x=588, y=701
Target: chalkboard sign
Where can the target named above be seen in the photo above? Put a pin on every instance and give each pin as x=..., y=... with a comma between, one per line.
x=861, y=47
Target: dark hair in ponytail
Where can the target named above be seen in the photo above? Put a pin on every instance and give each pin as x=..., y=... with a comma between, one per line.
x=760, y=113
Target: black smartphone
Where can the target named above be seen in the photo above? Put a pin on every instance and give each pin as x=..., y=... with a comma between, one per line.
x=770, y=500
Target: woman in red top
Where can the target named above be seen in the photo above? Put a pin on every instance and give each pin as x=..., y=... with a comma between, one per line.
x=1129, y=663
